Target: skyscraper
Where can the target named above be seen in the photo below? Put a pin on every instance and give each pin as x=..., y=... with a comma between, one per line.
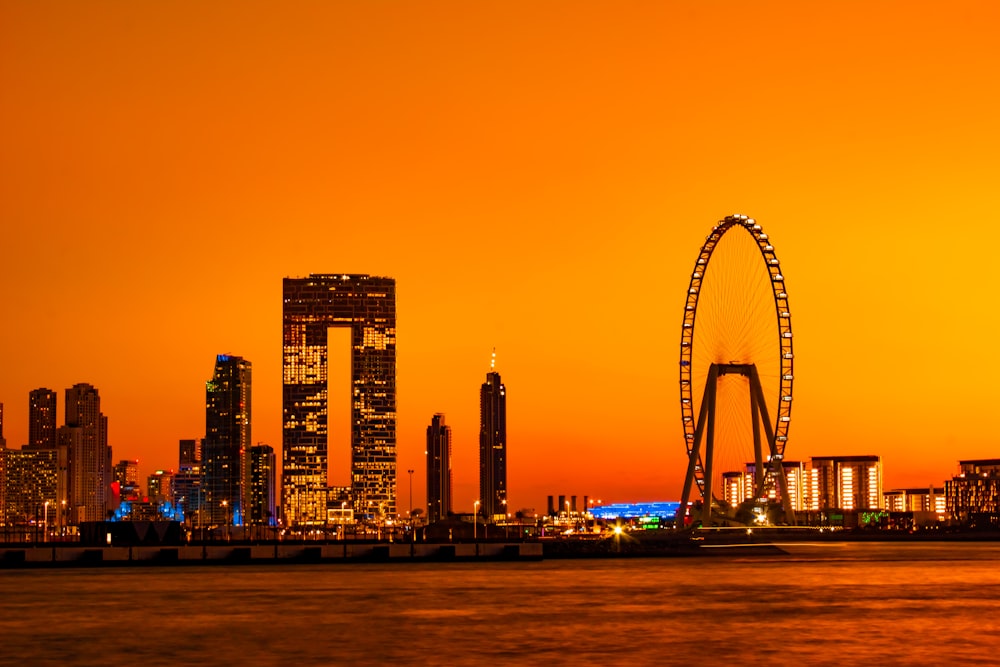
x=3, y=441
x=493, y=447
x=42, y=419
x=225, y=449
x=438, y=469
x=261, y=511
x=366, y=304
x=84, y=455
x=187, y=481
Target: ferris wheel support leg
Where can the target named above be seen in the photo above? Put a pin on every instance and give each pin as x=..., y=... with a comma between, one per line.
x=777, y=464
x=709, y=468
x=695, y=454
x=758, y=457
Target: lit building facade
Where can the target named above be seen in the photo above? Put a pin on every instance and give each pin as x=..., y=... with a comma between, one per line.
x=493, y=447
x=126, y=474
x=925, y=499
x=843, y=482
x=160, y=487
x=84, y=455
x=225, y=448
x=738, y=486
x=42, y=419
x=366, y=305
x=438, y=469
x=973, y=495
x=31, y=481
x=262, y=509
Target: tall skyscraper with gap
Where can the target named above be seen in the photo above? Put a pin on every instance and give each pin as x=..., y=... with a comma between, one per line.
x=493, y=447
x=367, y=306
x=225, y=451
x=438, y=469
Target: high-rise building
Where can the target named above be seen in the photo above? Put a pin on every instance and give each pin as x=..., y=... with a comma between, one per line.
x=42, y=419
x=187, y=480
x=225, y=449
x=493, y=447
x=31, y=485
x=3, y=441
x=438, y=469
x=261, y=511
x=367, y=305
x=84, y=455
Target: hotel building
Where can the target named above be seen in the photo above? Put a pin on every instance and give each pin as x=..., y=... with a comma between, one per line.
x=367, y=306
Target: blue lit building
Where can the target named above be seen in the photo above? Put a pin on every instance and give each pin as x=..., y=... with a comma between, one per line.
x=663, y=510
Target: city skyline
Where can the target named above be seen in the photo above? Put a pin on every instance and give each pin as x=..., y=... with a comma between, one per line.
x=535, y=180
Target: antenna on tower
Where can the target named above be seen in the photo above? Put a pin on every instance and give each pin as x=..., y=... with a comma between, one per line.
x=493, y=359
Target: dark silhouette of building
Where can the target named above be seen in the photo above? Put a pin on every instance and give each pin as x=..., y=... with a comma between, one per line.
x=366, y=304
x=84, y=455
x=187, y=481
x=493, y=447
x=189, y=453
x=261, y=511
x=225, y=449
x=42, y=419
x=438, y=469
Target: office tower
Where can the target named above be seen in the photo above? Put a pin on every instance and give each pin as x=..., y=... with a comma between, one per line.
x=84, y=455
x=225, y=449
x=367, y=305
x=261, y=511
x=187, y=480
x=31, y=481
x=126, y=473
x=493, y=447
x=438, y=469
x=42, y=419
x=3, y=441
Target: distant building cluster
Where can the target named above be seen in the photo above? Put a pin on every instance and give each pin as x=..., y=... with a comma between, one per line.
x=64, y=476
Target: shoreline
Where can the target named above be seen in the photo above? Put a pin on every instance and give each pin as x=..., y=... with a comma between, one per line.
x=707, y=544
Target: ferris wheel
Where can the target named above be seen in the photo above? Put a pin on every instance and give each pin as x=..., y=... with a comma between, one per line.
x=735, y=364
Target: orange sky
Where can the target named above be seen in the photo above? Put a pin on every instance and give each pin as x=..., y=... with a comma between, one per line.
x=537, y=177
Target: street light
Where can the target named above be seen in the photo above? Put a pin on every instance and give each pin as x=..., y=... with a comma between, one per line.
x=343, y=505
x=475, y=521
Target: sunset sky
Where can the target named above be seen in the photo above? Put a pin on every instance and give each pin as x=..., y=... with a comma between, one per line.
x=538, y=177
